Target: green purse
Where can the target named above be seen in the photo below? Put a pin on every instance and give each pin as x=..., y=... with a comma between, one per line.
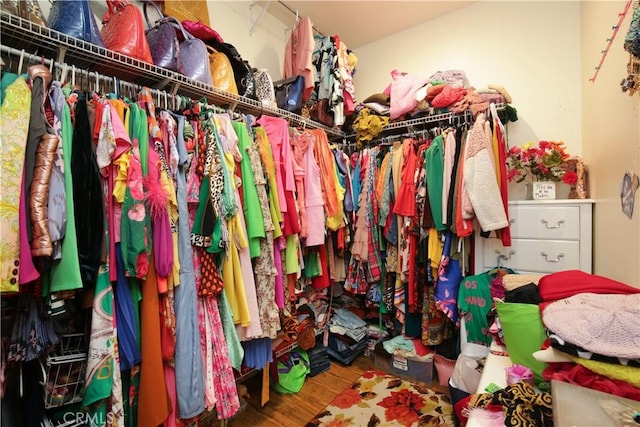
x=292, y=371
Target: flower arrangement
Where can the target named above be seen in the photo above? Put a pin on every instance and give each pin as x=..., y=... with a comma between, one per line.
x=544, y=161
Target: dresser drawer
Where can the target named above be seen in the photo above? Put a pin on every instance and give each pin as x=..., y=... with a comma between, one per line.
x=548, y=222
x=546, y=256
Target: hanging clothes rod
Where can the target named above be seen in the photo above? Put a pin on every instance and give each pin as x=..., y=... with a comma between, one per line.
x=94, y=81
x=296, y=13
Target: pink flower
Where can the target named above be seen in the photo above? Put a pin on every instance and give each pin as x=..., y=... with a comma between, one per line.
x=137, y=212
x=513, y=174
x=544, y=161
x=570, y=177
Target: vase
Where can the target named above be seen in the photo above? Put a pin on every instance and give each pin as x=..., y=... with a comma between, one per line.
x=528, y=190
x=544, y=190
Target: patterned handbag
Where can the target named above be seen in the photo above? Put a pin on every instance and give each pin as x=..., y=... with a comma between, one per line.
x=187, y=56
x=162, y=39
x=123, y=31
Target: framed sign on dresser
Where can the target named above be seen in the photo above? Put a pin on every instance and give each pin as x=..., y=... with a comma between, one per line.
x=546, y=236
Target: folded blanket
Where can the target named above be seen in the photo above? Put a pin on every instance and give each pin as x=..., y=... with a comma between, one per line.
x=602, y=323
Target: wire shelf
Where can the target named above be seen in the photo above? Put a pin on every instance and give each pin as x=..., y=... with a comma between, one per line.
x=38, y=41
x=419, y=121
x=66, y=367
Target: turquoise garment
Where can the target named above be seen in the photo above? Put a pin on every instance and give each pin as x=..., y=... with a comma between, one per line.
x=384, y=205
x=236, y=352
x=399, y=343
x=356, y=185
x=5, y=82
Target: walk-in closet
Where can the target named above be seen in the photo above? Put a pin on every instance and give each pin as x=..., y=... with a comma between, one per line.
x=337, y=213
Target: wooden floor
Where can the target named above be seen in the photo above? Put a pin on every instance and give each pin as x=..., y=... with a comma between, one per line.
x=295, y=410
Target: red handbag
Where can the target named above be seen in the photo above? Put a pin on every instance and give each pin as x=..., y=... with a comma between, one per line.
x=123, y=31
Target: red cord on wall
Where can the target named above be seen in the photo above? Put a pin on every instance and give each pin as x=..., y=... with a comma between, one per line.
x=615, y=29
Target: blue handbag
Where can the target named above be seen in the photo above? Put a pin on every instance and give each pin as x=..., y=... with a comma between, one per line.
x=75, y=18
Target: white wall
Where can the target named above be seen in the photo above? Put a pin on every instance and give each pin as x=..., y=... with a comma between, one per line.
x=264, y=48
x=611, y=145
x=530, y=48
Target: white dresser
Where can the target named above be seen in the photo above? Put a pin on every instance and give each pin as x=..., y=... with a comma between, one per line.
x=546, y=236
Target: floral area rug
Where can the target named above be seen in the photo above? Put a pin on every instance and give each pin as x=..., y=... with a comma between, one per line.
x=379, y=399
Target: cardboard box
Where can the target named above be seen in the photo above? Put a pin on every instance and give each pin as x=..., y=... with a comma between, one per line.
x=418, y=368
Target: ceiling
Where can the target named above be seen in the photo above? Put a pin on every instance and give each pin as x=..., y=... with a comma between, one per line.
x=361, y=22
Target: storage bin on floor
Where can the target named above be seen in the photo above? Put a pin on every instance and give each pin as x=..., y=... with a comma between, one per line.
x=416, y=368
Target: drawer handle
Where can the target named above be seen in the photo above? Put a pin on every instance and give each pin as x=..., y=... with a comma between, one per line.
x=502, y=256
x=546, y=257
x=549, y=225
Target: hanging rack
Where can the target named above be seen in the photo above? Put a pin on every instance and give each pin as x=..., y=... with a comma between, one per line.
x=421, y=122
x=92, y=80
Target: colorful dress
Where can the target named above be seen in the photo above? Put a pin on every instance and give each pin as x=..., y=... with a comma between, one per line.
x=14, y=125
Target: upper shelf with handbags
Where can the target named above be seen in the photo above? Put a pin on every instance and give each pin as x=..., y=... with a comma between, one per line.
x=20, y=33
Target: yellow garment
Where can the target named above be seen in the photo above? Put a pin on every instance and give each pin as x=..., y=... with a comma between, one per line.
x=368, y=126
x=120, y=181
x=353, y=61
x=232, y=272
x=496, y=154
x=434, y=250
x=234, y=284
x=380, y=184
x=336, y=221
x=123, y=112
x=614, y=371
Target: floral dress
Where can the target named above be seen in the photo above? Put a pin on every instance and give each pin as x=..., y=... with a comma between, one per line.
x=264, y=267
x=14, y=126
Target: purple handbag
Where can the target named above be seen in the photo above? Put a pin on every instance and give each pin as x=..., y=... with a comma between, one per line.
x=162, y=40
x=188, y=56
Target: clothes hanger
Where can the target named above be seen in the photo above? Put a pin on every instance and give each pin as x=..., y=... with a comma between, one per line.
x=499, y=269
x=19, y=72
